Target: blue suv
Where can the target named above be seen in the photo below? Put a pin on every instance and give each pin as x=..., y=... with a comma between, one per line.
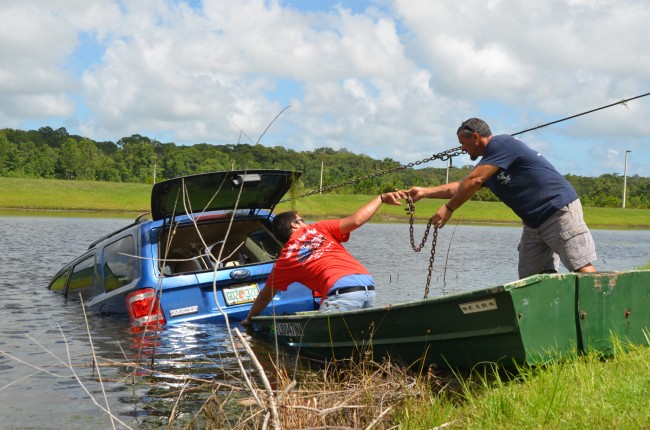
x=206, y=252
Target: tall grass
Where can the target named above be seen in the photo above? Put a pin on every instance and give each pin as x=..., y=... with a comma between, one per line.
x=590, y=392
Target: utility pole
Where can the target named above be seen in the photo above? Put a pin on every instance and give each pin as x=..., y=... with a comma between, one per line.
x=448, y=166
x=320, y=190
x=625, y=178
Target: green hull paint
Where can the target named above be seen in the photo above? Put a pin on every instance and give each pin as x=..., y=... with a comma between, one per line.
x=614, y=305
x=531, y=321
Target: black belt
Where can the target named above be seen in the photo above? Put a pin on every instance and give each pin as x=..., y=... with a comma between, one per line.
x=350, y=290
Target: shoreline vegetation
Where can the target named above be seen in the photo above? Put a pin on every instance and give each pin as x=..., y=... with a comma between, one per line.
x=52, y=197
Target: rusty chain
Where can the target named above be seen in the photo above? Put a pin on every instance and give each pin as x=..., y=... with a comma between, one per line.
x=444, y=156
x=410, y=210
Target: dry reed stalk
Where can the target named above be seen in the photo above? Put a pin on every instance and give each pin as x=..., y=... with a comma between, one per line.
x=173, y=412
x=244, y=374
x=70, y=367
x=267, y=386
x=81, y=384
x=216, y=266
x=92, y=349
x=343, y=395
x=186, y=203
x=15, y=381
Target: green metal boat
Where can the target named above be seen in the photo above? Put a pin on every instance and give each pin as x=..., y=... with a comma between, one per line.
x=530, y=321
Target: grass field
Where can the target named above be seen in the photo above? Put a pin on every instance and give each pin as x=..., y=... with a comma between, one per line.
x=128, y=198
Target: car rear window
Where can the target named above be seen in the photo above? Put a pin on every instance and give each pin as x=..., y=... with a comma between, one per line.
x=196, y=248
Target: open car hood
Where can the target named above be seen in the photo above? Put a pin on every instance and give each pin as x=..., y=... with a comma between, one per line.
x=260, y=189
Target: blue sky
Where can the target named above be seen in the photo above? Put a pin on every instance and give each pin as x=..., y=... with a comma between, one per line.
x=390, y=79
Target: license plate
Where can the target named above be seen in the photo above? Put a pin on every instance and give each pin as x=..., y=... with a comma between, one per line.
x=240, y=295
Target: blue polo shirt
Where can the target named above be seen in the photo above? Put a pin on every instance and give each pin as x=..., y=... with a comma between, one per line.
x=526, y=181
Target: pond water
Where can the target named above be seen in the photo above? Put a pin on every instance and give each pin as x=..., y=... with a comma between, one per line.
x=46, y=377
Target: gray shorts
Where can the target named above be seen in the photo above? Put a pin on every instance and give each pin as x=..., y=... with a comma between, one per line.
x=564, y=235
x=348, y=301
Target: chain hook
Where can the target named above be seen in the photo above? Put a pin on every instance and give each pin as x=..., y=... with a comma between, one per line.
x=410, y=206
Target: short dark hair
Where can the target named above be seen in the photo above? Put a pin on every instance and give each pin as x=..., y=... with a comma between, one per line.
x=475, y=125
x=282, y=225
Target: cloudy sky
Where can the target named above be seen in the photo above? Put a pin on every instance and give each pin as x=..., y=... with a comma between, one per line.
x=386, y=78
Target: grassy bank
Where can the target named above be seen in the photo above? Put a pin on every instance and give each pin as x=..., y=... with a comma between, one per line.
x=590, y=392
x=45, y=194
x=51, y=194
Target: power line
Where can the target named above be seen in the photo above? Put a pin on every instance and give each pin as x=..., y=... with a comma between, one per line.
x=622, y=102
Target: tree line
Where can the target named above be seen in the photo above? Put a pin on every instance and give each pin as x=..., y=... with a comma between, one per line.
x=56, y=154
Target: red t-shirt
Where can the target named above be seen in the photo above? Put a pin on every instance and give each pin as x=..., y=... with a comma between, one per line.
x=315, y=257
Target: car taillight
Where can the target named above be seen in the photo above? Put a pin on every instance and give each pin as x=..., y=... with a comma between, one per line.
x=143, y=307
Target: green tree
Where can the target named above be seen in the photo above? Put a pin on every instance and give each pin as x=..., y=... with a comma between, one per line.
x=9, y=159
x=135, y=158
x=40, y=162
x=50, y=137
x=78, y=159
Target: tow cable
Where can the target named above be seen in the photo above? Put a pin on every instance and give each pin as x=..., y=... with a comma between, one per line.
x=410, y=210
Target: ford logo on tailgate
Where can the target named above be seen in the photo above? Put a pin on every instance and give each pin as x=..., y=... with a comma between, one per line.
x=240, y=274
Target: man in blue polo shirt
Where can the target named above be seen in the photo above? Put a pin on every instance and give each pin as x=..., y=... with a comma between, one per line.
x=525, y=181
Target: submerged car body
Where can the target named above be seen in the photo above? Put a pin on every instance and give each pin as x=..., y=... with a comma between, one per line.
x=206, y=252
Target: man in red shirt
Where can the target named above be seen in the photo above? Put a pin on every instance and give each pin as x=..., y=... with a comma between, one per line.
x=314, y=256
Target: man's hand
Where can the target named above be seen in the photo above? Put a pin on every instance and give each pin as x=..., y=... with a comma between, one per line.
x=393, y=198
x=440, y=218
x=416, y=193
